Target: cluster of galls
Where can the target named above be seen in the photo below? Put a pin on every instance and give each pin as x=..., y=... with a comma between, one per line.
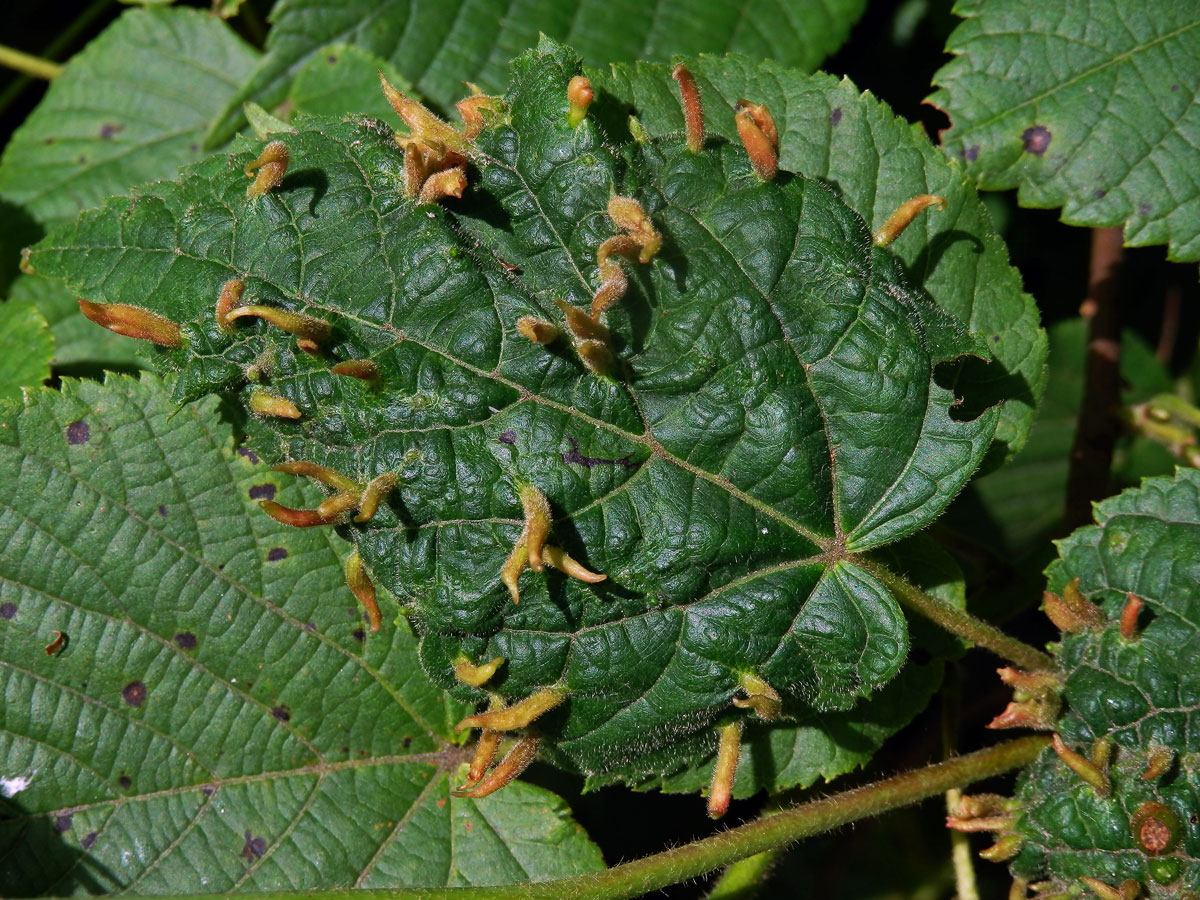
x=436, y=157
x=1155, y=830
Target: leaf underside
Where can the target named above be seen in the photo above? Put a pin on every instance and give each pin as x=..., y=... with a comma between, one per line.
x=778, y=407
x=215, y=720
x=1089, y=105
x=1143, y=693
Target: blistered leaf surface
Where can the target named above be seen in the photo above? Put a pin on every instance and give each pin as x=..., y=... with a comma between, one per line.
x=215, y=718
x=778, y=404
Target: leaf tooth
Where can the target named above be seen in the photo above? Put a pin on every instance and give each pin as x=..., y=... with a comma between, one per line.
x=518, y=715
x=363, y=588
x=720, y=791
x=523, y=752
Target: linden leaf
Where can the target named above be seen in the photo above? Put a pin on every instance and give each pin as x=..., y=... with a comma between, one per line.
x=25, y=328
x=1133, y=682
x=777, y=400
x=1088, y=105
x=213, y=715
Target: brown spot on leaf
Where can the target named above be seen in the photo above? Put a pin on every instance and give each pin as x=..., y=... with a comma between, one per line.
x=88, y=841
x=262, y=492
x=254, y=848
x=185, y=640
x=134, y=693
x=62, y=823
x=1036, y=139
x=8, y=610
x=282, y=713
x=275, y=554
x=78, y=432
x=508, y=437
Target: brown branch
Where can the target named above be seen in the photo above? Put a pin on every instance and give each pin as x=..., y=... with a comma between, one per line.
x=1098, y=427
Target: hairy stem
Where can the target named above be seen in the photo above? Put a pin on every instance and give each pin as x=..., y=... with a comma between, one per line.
x=1097, y=429
x=962, y=623
x=701, y=857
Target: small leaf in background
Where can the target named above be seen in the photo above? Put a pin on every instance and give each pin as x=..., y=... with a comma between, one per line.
x=218, y=718
x=343, y=79
x=830, y=130
x=1130, y=679
x=439, y=45
x=80, y=348
x=26, y=361
x=131, y=107
x=1087, y=104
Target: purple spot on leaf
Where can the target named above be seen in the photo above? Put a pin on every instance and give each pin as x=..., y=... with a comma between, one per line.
x=255, y=847
x=574, y=456
x=134, y=693
x=359, y=635
x=8, y=610
x=185, y=640
x=107, y=131
x=78, y=432
x=88, y=840
x=125, y=782
x=262, y=492
x=248, y=454
x=282, y=713
x=275, y=554
x=1144, y=208
x=162, y=511
x=62, y=823
x=508, y=437
x=835, y=116
x=971, y=153
x=1036, y=139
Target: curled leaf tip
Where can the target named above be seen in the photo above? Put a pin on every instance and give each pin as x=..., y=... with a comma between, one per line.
x=134, y=322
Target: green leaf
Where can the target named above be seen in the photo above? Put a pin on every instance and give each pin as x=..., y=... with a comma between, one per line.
x=342, y=79
x=79, y=346
x=1141, y=692
x=823, y=745
x=131, y=107
x=1088, y=105
x=31, y=346
x=440, y=44
x=832, y=131
x=217, y=717
x=777, y=407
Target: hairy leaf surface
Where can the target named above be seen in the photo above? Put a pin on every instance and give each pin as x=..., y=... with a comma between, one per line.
x=1089, y=105
x=439, y=44
x=1140, y=691
x=215, y=720
x=779, y=403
